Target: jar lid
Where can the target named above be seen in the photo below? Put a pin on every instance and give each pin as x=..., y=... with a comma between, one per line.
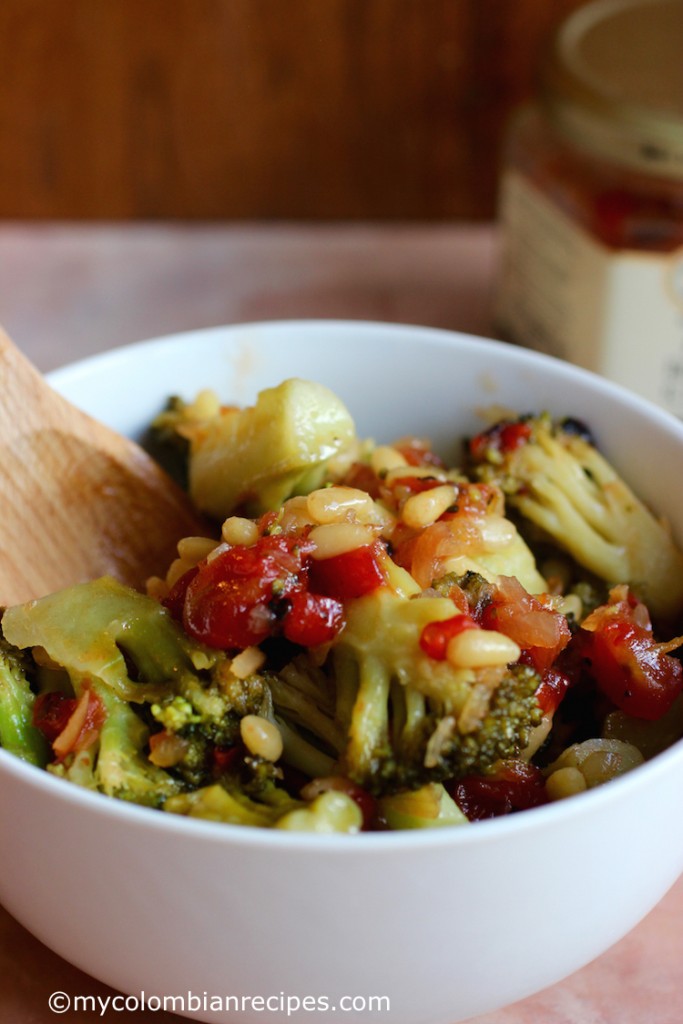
x=613, y=82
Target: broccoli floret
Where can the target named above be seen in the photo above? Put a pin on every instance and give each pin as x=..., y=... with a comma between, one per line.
x=134, y=655
x=248, y=792
x=555, y=478
x=253, y=458
x=391, y=717
x=330, y=812
x=175, y=714
x=476, y=589
x=206, y=713
x=18, y=735
x=110, y=632
x=217, y=803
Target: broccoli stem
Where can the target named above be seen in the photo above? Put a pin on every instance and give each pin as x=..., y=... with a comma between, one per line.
x=369, y=733
x=301, y=708
x=302, y=755
x=123, y=770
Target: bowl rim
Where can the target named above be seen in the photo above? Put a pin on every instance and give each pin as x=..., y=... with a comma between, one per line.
x=64, y=377
x=446, y=337
x=363, y=842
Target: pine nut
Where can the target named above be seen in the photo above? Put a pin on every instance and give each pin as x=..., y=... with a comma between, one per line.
x=294, y=514
x=195, y=549
x=206, y=405
x=247, y=662
x=156, y=588
x=336, y=504
x=333, y=539
x=177, y=568
x=239, y=531
x=496, y=532
x=480, y=648
x=261, y=737
x=423, y=509
x=571, y=604
x=385, y=458
x=565, y=782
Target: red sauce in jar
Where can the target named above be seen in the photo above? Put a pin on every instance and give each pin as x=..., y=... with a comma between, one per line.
x=592, y=200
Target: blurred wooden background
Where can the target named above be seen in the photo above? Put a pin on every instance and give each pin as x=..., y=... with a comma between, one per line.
x=243, y=109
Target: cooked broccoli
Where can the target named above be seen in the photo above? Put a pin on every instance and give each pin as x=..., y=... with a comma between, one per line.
x=554, y=477
x=428, y=807
x=110, y=632
x=116, y=764
x=18, y=735
x=218, y=802
x=330, y=812
x=226, y=802
x=166, y=442
x=121, y=767
x=254, y=458
x=129, y=649
x=205, y=713
x=410, y=719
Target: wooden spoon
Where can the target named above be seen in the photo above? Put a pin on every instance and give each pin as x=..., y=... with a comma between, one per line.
x=77, y=500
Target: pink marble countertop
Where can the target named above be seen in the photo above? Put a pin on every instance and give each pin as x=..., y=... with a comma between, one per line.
x=70, y=291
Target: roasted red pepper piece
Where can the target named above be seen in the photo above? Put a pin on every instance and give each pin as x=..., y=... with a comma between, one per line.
x=246, y=594
x=51, y=712
x=620, y=654
x=513, y=786
x=232, y=600
x=540, y=632
x=626, y=664
x=552, y=689
x=351, y=574
x=435, y=636
x=502, y=438
x=312, y=619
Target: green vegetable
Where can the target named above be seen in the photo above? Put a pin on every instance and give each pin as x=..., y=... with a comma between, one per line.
x=427, y=807
x=122, y=767
x=216, y=803
x=129, y=649
x=18, y=735
x=107, y=631
x=393, y=718
x=559, y=481
x=330, y=812
x=254, y=458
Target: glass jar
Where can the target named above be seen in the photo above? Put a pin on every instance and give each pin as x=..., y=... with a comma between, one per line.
x=592, y=200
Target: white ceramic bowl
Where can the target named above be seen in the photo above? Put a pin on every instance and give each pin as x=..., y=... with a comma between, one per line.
x=444, y=924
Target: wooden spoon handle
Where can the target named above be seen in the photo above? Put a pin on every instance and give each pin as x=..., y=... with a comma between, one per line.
x=77, y=500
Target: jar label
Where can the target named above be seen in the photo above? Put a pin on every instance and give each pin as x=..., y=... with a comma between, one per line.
x=618, y=313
